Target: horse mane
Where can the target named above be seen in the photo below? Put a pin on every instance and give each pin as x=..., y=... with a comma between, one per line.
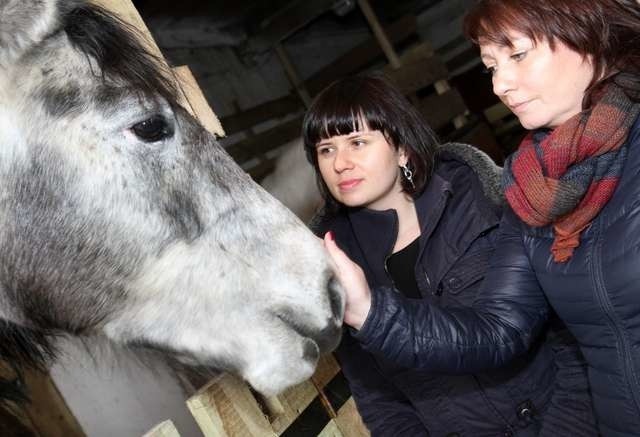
x=22, y=347
x=118, y=50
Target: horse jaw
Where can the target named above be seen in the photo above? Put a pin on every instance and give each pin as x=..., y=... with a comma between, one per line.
x=271, y=337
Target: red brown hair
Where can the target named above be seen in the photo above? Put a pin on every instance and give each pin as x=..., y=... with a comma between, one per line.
x=607, y=31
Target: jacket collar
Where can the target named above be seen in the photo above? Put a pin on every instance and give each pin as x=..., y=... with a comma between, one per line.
x=376, y=231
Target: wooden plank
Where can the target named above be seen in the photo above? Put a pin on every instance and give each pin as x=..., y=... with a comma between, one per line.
x=415, y=53
x=287, y=406
x=163, y=429
x=481, y=136
x=48, y=410
x=412, y=77
x=496, y=113
x=352, y=61
x=288, y=20
x=263, y=142
x=262, y=169
x=14, y=423
x=379, y=33
x=331, y=430
x=197, y=101
x=226, y=408
x=265, y=111
x=360, y=56
x=349, y=421
x=327, y=369
x=128, y=13
x=440, y=109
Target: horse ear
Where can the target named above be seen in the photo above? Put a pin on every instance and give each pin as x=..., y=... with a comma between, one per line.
x=24, y=23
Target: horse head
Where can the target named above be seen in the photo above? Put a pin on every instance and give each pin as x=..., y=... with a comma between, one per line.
x=120, y=215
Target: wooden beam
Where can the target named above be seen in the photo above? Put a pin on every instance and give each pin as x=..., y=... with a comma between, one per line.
x=360, y=56
x=412, y=77
x=353, y=60
x=287, y=21
x=129, y=14
x=265, y=141
x=265, y=111
x=440, y=109
x=48, y=410
x=226, y=407
x=380, y=34
x=163, y=429
x=196, y=101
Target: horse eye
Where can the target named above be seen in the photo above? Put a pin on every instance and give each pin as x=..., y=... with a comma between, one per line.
x=153, y=129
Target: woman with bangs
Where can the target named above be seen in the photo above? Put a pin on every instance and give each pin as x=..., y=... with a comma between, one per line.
x=420, y=221
x=569, y=240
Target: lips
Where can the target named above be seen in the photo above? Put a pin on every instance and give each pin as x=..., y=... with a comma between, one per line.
x=520, y=106
x=349, y=184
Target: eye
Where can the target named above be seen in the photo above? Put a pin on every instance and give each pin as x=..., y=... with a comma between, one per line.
x=519, y=56
x=490, y=70
x=358, y=143
x=324, y=150
x=153, y=129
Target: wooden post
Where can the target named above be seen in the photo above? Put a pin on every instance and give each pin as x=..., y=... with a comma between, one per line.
x=226, y=408
x=128, y=13
x=380, y=34
x=293, y=75
x=163, y=429
x=196, y=102
x=440, y=86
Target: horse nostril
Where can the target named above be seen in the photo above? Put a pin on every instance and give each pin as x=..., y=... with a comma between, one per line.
x=335, y=298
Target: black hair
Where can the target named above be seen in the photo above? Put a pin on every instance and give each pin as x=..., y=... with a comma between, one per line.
x=344, y=105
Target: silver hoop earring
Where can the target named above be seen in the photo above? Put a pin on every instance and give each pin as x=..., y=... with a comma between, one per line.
x=408, y=175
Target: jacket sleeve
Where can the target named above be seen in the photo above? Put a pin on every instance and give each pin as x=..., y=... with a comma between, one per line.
x=505, y=318
x=384, y=410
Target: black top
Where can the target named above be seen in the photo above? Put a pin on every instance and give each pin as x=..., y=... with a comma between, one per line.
x=401, y=265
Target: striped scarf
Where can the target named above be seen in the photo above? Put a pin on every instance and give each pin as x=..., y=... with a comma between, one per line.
x=565, y=177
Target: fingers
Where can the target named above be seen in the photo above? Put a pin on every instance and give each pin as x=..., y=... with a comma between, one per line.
x=335, y=252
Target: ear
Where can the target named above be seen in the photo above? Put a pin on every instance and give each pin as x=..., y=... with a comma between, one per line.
x=403, y=158
x=24, y=23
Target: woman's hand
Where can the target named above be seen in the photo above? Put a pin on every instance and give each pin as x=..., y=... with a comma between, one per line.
x=353, y=281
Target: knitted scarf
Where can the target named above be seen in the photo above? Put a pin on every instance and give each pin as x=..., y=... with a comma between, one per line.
x=565, y=176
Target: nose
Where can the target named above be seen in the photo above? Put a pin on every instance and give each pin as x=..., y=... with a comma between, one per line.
x=503, y=81
x=342, y=161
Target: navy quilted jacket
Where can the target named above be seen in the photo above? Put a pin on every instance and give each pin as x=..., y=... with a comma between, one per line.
x=459, y=228
x=596, y=293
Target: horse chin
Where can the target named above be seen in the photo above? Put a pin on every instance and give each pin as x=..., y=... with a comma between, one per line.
x=271, y=377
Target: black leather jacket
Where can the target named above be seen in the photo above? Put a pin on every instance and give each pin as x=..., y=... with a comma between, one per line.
x=459, y=216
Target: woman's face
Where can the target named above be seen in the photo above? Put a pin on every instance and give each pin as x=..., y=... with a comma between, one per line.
x=361, y=169
x=543, y=87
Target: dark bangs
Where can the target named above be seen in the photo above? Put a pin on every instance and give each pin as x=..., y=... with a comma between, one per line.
x=342, y=108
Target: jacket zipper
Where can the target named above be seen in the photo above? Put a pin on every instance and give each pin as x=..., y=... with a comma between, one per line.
x=605, y=304
x=388, y=255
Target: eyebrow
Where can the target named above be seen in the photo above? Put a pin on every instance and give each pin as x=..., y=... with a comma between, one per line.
x=359, y=134
x=486, y=57
x=350, y=136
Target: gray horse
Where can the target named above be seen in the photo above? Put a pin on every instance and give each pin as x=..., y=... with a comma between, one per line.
x=120, y=215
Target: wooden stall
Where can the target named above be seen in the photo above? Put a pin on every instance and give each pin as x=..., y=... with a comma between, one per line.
x=394, y=49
